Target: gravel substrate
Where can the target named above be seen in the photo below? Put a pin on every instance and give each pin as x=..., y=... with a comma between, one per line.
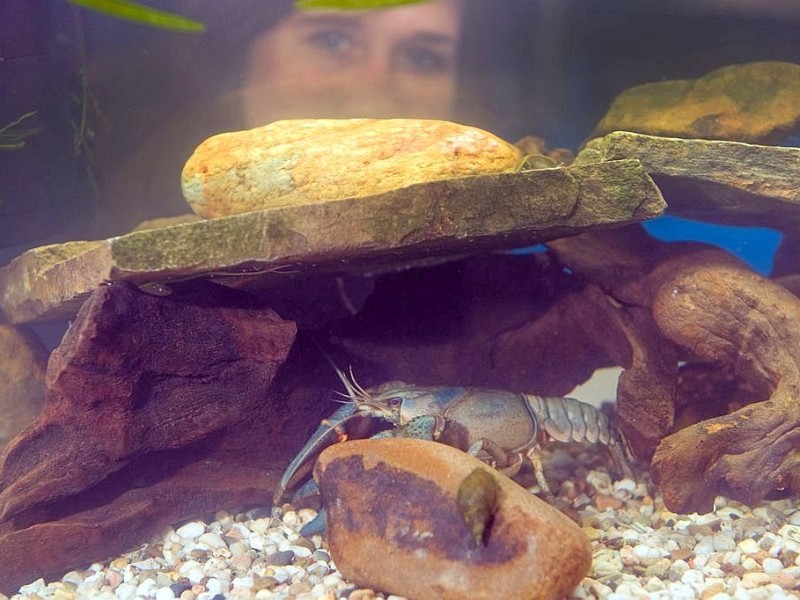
x=641, y=550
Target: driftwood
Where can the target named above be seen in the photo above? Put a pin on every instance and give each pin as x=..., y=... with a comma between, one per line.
x=717, y=312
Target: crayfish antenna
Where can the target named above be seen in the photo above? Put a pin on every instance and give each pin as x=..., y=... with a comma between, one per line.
x=362, y=393
x=354, y=389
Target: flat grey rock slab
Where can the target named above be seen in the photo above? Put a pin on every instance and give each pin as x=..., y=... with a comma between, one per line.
x=423, y=222
x=722, y=182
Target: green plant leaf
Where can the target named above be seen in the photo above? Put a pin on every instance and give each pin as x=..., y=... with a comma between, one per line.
x=139, y=13
x=351, y=4
x=12, y=137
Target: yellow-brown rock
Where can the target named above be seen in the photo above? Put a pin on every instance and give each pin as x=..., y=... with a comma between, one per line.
x=22, y=364
x=754, y=102
x=307, y=161
x=393, y=524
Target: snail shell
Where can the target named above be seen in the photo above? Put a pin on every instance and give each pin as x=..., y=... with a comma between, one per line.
x=477, y=502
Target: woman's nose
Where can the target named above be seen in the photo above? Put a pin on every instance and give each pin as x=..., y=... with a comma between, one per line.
x=375, y=70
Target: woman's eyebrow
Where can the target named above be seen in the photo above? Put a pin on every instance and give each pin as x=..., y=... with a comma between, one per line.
x=431, y=38
x=328, y=20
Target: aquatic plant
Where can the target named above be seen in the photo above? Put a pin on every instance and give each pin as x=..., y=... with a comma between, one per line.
x=350, y=4
x=153, y=17
x=144, y=15
x=13, y=137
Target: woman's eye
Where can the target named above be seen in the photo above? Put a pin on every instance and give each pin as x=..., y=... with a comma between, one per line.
x=425, y=61
x=332, y=41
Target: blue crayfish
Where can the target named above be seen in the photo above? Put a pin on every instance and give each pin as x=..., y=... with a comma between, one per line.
x=503, y=428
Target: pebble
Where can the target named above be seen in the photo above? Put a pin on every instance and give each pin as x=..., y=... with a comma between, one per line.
x=191, y=530
x=212, y=540
x=164, y=593
x=734, y=553
x=748, y=546
x=771, y=565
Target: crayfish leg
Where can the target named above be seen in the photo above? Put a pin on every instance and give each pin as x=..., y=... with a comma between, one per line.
x=620, y=460
x=538, y=473
x=508, y=463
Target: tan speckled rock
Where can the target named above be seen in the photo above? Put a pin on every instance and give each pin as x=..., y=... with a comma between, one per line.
x=753, y=102
x=307, y=161
x=21, y=380
x=393, y=525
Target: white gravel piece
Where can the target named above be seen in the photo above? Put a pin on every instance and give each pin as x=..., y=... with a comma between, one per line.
x=191, y=530
x=641, y=551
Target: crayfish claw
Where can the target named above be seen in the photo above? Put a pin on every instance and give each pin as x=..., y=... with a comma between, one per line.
x=330, y=431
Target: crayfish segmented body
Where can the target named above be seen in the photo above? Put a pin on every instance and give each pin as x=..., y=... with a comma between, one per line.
x=501, y=427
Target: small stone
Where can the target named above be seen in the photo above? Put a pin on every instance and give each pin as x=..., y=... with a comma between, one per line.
x=593, y=534
x=212, y=540
x=693, y=577
x=64, y=595
x=749, y=564
x=755, y=579
x=723, y=543
x=704, y=547
x=301, y=587
x=241, y=562
x=198, y=588
x=606, y=564
x=748, y=546
x=147, y=588
x=605, y=502
x=784, y=580
x=191, y=530
x=238, y=548
x=647, y=554
x=113, y=579
x=771, y=565
x=654, y=584
x=164, y=593
x=179, y=588
x=126, y=591
x=625, y=485
x=280, y=559
x=256, y=541
x=362, y=594
x=301, y=551
x=732, y=558
x=658, y=569
x=627, y=556
x=681, y=554
x=677, y=569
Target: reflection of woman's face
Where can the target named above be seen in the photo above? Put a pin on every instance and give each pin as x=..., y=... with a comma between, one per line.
x=388, y=63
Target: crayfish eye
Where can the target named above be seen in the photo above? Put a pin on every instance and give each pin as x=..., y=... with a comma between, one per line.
x=394, y=402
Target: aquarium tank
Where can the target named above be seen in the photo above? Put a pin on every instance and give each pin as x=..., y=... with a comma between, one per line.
x=424, y=299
